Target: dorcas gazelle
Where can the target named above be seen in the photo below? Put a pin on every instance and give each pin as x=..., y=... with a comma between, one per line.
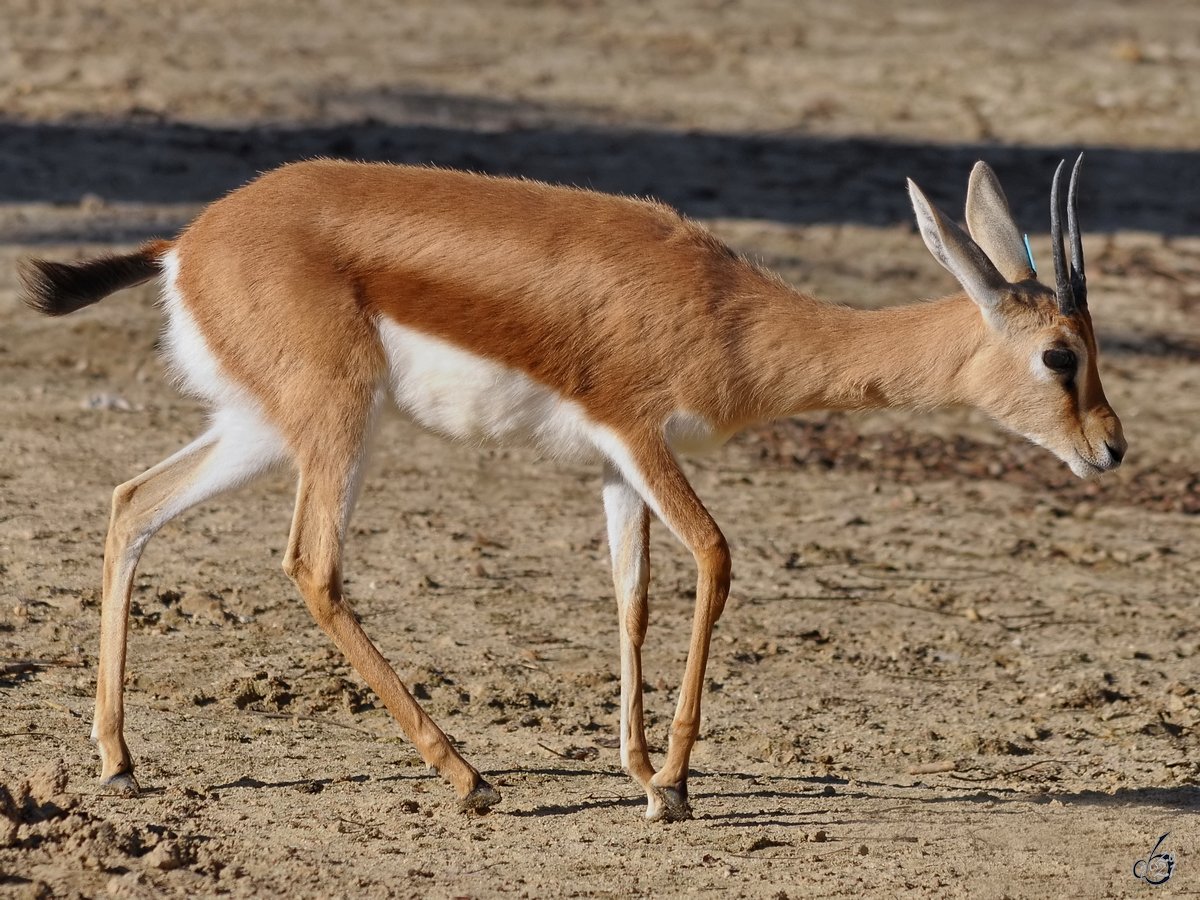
x=588, y=326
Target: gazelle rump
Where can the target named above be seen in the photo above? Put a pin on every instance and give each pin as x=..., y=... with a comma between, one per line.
x=588, y=326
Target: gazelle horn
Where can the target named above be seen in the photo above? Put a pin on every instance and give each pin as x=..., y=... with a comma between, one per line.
x=1062, y=280
x=1078, y=279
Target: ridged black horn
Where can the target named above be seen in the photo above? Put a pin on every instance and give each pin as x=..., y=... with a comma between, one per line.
x=1062, y=280
x=1078, y=279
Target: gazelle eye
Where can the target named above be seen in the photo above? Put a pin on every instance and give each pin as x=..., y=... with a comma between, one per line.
x=1060, y=360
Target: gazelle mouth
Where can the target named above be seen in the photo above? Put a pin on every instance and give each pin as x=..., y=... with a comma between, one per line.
x=1086, y=467
x=1080, y=465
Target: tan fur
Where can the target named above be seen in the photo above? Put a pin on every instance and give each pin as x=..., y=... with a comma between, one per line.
x=619, y=306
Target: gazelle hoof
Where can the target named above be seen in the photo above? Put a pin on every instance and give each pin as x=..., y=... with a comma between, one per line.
x=480, y=800
x=122, y=784
x=668, y=804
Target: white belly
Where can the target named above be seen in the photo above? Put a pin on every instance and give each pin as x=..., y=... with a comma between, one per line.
x=476, y=400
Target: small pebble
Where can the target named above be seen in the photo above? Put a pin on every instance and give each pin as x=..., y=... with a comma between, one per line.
x=165, y=856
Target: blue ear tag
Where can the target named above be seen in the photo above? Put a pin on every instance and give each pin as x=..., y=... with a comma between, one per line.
x=1029, y=253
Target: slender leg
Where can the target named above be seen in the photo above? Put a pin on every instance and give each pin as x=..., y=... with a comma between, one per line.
x=629, y=542
x=651, y=467
x=236, y=449
x=314, y=563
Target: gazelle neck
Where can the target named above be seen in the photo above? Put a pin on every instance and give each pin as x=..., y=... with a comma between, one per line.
x=824, y=356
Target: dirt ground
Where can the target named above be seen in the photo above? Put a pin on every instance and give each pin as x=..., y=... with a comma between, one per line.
x=947, y=669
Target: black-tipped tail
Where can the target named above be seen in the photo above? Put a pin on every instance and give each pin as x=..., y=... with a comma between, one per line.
x=55, y=288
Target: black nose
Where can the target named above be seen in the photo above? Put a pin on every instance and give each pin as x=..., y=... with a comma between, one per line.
x=1117, y=453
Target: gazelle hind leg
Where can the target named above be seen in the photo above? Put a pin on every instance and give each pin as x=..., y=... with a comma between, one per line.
x=324, y=499
x=629, y=543
x=238, y=447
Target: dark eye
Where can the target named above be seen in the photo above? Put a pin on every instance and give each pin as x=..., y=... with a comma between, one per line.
x=1060, y=360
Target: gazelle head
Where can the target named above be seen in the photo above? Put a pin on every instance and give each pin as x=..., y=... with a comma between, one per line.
x=1035, y=370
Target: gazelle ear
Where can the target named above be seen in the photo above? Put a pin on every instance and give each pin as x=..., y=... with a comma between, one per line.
x=992, y=226
x=954, y=249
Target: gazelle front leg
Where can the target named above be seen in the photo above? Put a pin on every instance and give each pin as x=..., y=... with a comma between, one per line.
x=652, y=468
x=712, y=590
x=629, y=542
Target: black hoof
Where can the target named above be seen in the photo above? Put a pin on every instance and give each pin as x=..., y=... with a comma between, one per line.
x=669, y=804
x=122, y=784
x=480, y=800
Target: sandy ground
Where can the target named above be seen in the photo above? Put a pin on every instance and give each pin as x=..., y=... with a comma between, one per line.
x=908, y=591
